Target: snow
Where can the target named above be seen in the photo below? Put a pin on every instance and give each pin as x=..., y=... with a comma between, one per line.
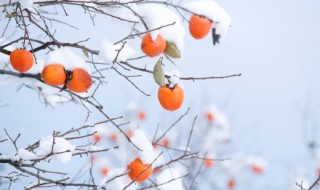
x=66, y=57
x=147, y=154
x=26, y=155
x=173, y=78
x=26, y=3
x=156, y=16
x=109, y=51
x=60, y=145
x=213, y=11
x=117, y=182
x=167, y=175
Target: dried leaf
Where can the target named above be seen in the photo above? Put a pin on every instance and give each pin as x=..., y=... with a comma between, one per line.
x=172, y=50
x=9, y=15
x=158, y=73
x=85, y=52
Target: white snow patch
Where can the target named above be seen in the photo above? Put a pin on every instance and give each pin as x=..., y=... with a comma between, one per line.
x=139, y=138
x=26, y=155
x=66, y=57
x=113, y=182
x=166, y=176
x=174, y=78
x=109, y=51
x=61, y=145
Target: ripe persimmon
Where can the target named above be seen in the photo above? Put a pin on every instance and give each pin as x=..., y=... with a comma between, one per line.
x=21, y=60
x=54, y=74
x=199, y=26
x=256, y=169
x=139, y=171
x=230, y=183
x=208, y=163
x=96, y=137
x=141, y=115
x=209, y=116
x=165, y=142
x=170, y=99
x=104, y=171
x=80, y=80
x=114, y=137
x=153, y=48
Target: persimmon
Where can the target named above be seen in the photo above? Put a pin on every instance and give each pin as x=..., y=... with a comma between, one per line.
x=208, y=163
x=96, y=137
x=129, y=133
x=21, y=60
x=170, y=99
x=104, y=171
x=141, y=115
x=114, y=137
x=54, y=74
x=139, y=171
x=230, y=183
x=199, y=26
x=153, y=48
x=257, y=169
x=165, y=142
x=80, y=80
x=209, y=116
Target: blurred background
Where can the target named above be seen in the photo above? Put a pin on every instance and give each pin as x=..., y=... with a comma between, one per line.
x=273, y=108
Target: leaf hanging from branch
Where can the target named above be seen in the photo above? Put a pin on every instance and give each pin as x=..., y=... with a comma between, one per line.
x=158, y=73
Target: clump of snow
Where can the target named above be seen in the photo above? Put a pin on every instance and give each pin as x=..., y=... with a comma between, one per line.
x=109, y=51
x=173, y=78
x=66, y=57
x=116, y=180
x=37, y=67
x=26, y=155
x=62, y=148
x=26, y=3
x=213, y=11
x=147, y=154
x=156, y=16
x=166, y=177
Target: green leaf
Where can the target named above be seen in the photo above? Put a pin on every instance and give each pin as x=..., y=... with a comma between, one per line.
x=158, y=73
x=9, y=15
x=172, y=50
x=85, y=52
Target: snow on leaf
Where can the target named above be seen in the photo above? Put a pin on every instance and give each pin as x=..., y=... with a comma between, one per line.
x=170, y=178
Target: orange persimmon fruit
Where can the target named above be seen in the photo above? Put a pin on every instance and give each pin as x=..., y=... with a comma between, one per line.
x=153, y=48
x=209, y=116
x=21, y=60
x=199, y=26
x=80, y=80
x=104, y=171
x=208, y=163
x=54, y=74
x=114, y=137
x=230, y=183
x=141, y=115
x=96, y=137
x=139, y=171
x=170, y=99
x=257, y=169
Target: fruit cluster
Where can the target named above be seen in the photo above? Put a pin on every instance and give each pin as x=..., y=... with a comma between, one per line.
x=77, y=80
